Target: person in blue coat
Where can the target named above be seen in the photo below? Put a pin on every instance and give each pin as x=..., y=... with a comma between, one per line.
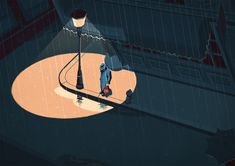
x=105, y=79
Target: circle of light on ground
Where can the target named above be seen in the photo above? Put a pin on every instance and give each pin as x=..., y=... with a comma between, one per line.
x=37, y=90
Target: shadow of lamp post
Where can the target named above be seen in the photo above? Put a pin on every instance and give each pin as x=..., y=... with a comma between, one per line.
x=79, y=18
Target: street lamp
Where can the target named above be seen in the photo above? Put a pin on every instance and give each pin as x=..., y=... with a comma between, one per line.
x=79, y=18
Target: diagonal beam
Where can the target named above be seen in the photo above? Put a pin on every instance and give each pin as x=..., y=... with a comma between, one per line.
x=15, y=9
x=29, y=30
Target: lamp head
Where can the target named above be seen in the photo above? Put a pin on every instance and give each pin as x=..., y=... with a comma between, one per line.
x=79, y=17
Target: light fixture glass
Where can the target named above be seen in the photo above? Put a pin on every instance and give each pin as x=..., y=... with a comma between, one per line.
x=79, y=18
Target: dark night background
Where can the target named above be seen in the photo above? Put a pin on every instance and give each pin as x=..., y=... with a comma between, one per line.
x=182, y=52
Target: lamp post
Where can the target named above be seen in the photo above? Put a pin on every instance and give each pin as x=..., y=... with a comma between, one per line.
x=79, y=18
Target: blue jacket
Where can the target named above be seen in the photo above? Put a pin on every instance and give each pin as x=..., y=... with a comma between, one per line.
x=105, y=78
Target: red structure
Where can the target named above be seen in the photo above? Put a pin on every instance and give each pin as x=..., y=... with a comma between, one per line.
x=231, y=163
x=25, y=30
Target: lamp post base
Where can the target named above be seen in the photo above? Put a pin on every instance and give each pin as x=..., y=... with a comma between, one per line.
x=80, y=86
x=79, y=80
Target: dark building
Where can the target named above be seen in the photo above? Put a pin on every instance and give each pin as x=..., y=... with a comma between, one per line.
x=182, y=53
